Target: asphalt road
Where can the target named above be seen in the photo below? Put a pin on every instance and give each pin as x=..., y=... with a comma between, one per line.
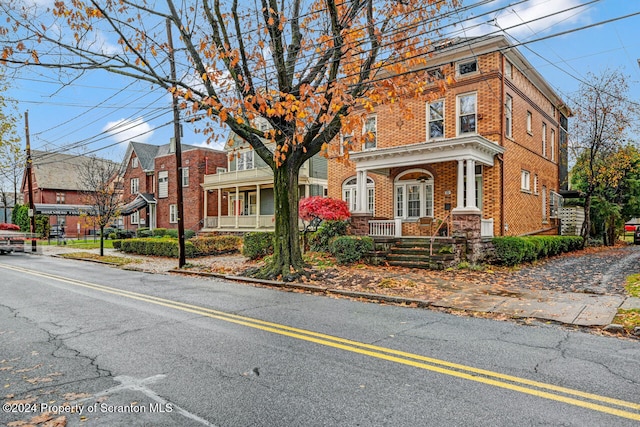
x=130, y=348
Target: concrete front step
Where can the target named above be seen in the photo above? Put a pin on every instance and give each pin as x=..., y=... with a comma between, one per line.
x=418, y=264
x=420, y=258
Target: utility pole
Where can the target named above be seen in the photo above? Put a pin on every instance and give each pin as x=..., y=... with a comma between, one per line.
x=32, y=206
x=176, y=131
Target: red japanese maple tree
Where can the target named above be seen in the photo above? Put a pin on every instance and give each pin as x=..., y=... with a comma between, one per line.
x=323, y=208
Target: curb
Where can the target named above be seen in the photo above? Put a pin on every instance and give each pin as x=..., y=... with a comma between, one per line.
x=312, y=288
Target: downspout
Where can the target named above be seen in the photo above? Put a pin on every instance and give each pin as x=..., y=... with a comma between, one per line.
x=499, y=156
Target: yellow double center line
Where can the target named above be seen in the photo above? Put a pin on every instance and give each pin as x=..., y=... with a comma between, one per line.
x=569, y=396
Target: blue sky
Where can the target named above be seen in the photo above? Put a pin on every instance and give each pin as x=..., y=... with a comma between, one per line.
x=101, y=112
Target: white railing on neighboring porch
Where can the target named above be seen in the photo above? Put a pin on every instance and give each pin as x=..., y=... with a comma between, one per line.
x=242, y=221
x=486, y=227
x=385, y=228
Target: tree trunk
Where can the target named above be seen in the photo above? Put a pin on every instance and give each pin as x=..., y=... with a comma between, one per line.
x=586, y=225
x=287, y=260
x=102, y=240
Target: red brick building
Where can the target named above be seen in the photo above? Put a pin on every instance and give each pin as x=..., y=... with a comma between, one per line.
x=58, y=190
x=486, y=158
x=150, y=185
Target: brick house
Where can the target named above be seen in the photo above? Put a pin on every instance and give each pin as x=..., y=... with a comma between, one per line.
x=246, y=186
x=150, y=185
x=58, y=190
x=487, y=158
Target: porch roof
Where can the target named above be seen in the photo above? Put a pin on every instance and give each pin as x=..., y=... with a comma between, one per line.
x=472, y=147
x=141, y=201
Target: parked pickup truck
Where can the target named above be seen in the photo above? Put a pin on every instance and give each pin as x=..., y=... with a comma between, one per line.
x=11, y=241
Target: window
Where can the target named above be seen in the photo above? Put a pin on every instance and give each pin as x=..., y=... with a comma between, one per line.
x=163, y=184
x=413, y=191
x=60, y=198
x=436, y=74
x=467, y=113
x=221, y=170
x=535, y=184
x=435, y=119
x=508, y=116
x=345, y=142
x=544, y=203
x=185, y=177
x=525, y=178
x=467, y=67
x=529, y=120
x=371, y=133
x=134, y=163
x=555, y=203
x=553, y=145
x=350, y=192
x=544, y=140
x=173, y=214
x=135, y=185
x=135, y=218
x=245, y=160
x=508, y=69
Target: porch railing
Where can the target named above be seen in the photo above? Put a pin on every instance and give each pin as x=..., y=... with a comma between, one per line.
x=244, y=222
x=486, y=227
x=385, y=228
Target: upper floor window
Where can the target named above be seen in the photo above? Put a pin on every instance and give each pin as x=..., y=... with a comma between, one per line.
x=508, y=116
x=435, y=119
x=163, y=184
x=185, y=177
x=436, y=74
x=467, y=113
x=345, y=142
x=221, y=170
x=529, y=121
x=508, y=69
x=60, y=198
x=371, y=133
x=525, y=180
x=134, y=163
x=553, y=145
x=135, y=185
x=467, y=67
x=544, y=140
x=244, y=160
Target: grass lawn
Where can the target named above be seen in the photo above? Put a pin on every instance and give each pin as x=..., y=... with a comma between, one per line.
x=630, y=319
x=118, y=260
x=80, y=244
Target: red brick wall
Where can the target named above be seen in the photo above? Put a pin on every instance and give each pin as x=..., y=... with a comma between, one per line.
x=522, y=210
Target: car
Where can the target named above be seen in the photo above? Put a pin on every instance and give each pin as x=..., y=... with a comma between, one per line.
x=636, y=236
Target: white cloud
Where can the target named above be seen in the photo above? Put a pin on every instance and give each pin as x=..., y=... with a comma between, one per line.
x=529, y=20
x=125, y=130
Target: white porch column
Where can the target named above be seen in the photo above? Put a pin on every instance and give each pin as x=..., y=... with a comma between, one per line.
x=219, y=207
x=236, y=205
x=460, y=186
x=306, y=190
x=257, y=205
x=206, y=213
x=361, y=192
x=471, y=185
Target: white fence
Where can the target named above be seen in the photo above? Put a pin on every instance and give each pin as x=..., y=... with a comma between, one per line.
x=385, y=228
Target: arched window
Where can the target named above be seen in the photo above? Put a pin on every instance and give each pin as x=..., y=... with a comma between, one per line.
x=349, y=194
x=413, y=191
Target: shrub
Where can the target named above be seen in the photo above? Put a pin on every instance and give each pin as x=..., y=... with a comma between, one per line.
x=112, y=236
x=154, y=246
x=350, y=249
x=144, y=232
x=171, y=232
x=514, y=250
x=319, y=241
x=257, y=244
x=116, y=244
x=159, y=232
x=189, y=234
x=216, y=244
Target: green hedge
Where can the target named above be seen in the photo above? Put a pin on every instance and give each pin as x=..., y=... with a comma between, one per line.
x=257, y=244
x=156, y=246
x=515, y=250
x=350, y=249
x=319, y=240
x=215, y=245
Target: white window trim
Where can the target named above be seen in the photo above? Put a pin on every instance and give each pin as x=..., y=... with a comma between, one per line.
x=458, y=130
x=134, y=185
x=343, y=138
x=185, y=177
x=375, y=133
x=544, y=140
x=468, y=61
x=247, y=162
x=508, y=113
x=529, y=123
x=134, y=162
x=351, y=190
x=135, y=218
x=525, y=181
x=553, y=145
x=163, y=176
x=429, y=138
x=405, y=200
x=173, y=214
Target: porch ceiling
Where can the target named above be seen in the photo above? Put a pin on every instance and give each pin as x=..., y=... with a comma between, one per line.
x=473, y=147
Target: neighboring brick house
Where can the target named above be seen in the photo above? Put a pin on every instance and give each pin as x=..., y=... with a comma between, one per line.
x=246, y=186
x=487, y=157
x=150, y=185
x=58, y=190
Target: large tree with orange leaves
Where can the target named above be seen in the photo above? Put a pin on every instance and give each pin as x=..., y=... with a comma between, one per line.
x=309, y=68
